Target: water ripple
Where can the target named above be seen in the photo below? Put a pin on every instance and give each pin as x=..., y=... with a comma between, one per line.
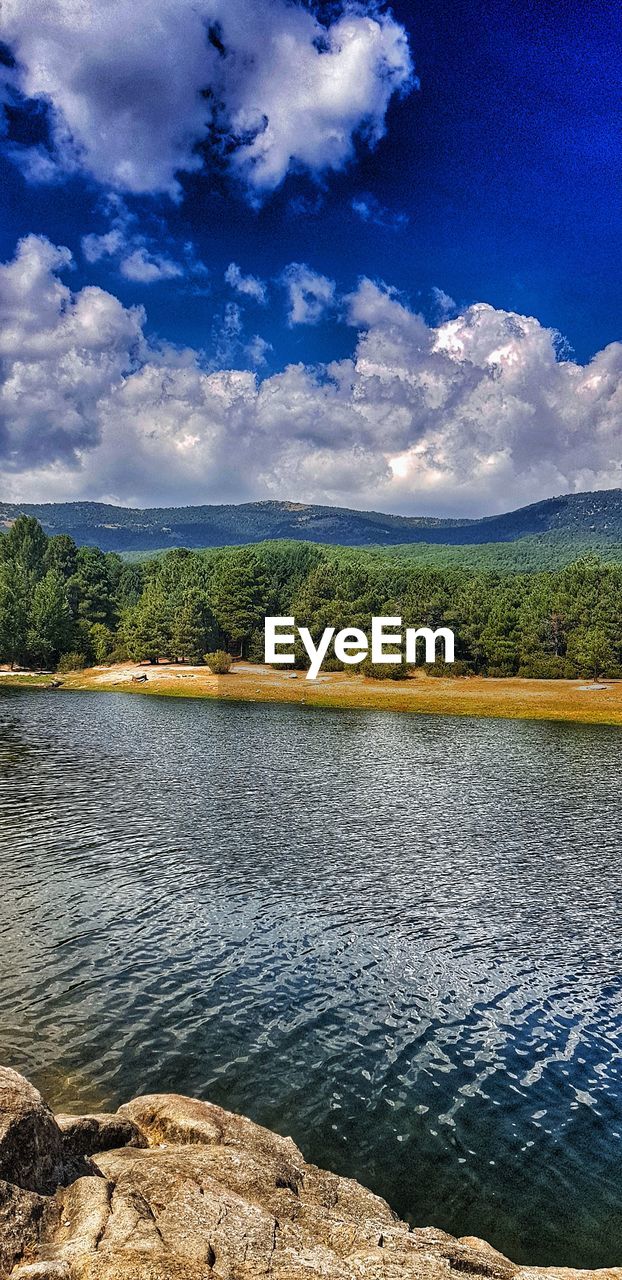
x=397, y=939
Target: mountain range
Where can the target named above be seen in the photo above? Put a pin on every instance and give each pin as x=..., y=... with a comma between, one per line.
x=580, y=517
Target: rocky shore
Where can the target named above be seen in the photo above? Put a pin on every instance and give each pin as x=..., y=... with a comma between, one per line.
x=169, y=1188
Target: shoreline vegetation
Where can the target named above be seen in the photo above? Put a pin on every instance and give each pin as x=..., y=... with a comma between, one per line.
x=575, y=701
x=545, y=645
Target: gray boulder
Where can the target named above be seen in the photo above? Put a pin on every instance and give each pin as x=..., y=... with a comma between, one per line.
x=31, y=1143
x=170, y=1188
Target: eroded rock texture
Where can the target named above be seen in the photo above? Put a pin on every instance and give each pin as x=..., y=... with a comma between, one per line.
x=174, y=1189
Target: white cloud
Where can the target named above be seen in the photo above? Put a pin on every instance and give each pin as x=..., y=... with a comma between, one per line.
x=136, y=257
x=60, y=354
x=473, y=415
x=369, y=209
x=230, y=342
x=138, y=264
x=309, y=294
x=135, y=86
x=227, y=333
x=257, y=351
x=373, y=304
x=106, y=245
x=144, y=268
x=249, y=286
x=443, y=303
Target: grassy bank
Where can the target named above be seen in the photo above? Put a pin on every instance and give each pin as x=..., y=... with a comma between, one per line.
x=572, y=700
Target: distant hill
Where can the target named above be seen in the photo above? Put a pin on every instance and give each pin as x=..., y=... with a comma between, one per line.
x=581, y=518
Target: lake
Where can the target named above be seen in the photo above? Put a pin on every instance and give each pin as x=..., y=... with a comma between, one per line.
x=396, y=938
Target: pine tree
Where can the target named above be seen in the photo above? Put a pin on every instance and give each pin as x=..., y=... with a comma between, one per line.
x=101, y=642
x=61, y=554
x=238, y=595
x=25, y=545
x=593, y=653
x=13, y=613
x=190, y=631
x=148, y=627
x=91, y=588
x=50, y=622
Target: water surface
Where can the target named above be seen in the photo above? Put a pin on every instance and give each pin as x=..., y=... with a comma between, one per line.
x=396, y=938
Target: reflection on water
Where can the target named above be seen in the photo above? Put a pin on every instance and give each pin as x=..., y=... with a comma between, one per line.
x=396, y=938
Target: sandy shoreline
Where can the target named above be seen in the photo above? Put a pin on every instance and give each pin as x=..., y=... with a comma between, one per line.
x=512, y=698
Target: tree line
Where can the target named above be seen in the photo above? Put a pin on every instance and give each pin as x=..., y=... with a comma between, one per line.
x=68, y=606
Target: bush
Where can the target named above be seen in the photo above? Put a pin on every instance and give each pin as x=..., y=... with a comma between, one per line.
x=71, y=662
x=119, y=654
x=331, y=663
x=385, y=671
x=219, y=662
x=459, y=668
x=545, y=667
x=448, y=670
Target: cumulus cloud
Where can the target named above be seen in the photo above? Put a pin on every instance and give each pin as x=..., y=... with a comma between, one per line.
x=374, y=304
x=60, y=353
x=249, y=286
x=309, y=294
x=137, y=259
x=145, y=268
x=138, y=264
x=257, y=349
x=443, y=304
x=106, y=245
x=473, y=415
x=137, y=88
x=231, y=343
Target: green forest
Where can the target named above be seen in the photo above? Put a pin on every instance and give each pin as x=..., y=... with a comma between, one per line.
x=64, y=607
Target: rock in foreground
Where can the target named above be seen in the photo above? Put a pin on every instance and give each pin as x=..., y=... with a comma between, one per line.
x=174, y=1189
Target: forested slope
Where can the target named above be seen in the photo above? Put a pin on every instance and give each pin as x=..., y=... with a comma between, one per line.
x=578, y=518
x=57, y=599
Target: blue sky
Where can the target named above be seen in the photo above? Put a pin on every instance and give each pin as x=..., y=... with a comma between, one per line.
x=481, y=167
